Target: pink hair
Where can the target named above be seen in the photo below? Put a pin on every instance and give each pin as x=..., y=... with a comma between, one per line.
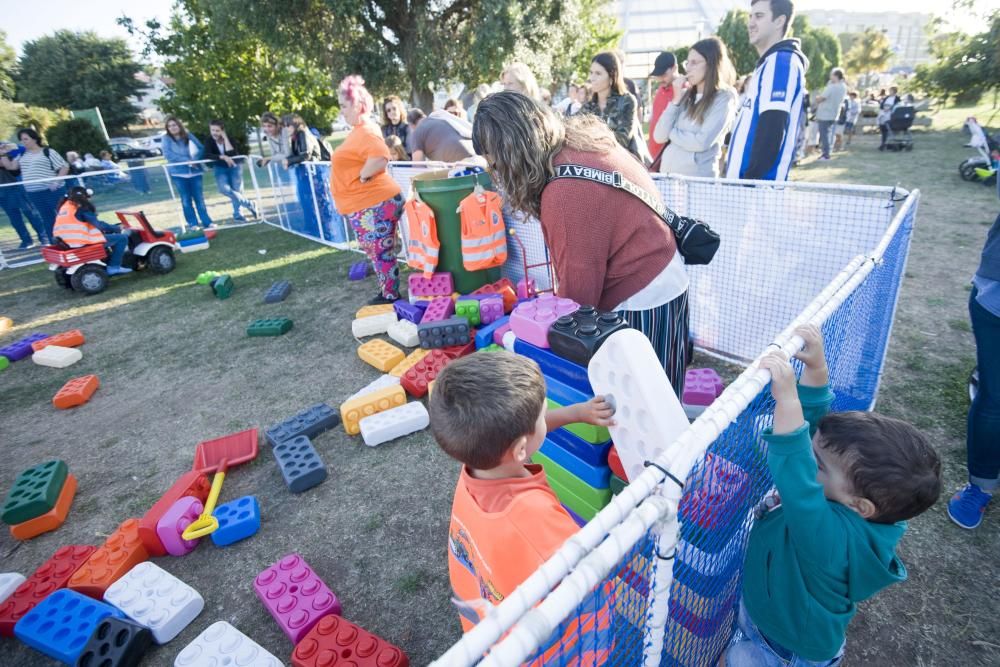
x=352, y=90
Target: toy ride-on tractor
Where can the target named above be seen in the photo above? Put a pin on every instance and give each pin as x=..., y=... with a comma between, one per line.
x=84, y=269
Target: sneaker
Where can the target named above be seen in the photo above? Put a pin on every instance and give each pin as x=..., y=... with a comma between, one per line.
x=254, y=213
x=379, y=300
x=26, y=244
x=824, y=158
x=967, y=506
x=118, y=270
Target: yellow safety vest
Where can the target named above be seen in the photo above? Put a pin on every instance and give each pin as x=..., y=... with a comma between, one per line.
x=75, y=233
x=484, y=236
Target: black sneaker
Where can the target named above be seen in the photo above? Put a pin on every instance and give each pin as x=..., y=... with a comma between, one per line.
x=25, y=245
x=378, y=300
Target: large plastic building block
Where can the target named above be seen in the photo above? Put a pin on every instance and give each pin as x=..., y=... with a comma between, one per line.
x=219, y=645
x=617, y=484
x=300, y=465
x=409, y=362
x=34, y=492
x=505, y=288
x=271, y=326
x=115, y=642
x=555, y=367
x=648, y=417
x=580, y=507
x=295, y=596
x=577, y=336
x=411, y=312
x=156, y=599
x=372, y=311
x=701, y=387
x=371, y=326
x=359, y=270
x=171, y=526
x=334, y=638
x=404, y=332
x=60, y=625
x=484, y=335
x=76, y=392
x=71, y=338
x=718, y=499
x=532, y=320
x=192, y=483
x=4, y=363
x=52, y=575
x=490, y=309
x=439, y=309
x=122, y=551
x=595, y=455
x=394, y=423
x=439, y=284
x=445, y=333
x=577, y=519
x=469, y=309
x=278, y=292
x=500, y=332
x=459, y=351
x=50, y=520
x=310, y=422
x=353, y=411
x=236, y=448
x=380, y=354
x=6, y=324
x=598, y=497
x=238, y=520
x=222, y=286
x=491, y=348
x=381, y=382
x=206, y=277
x=561, y=395
x=615, y=463
x=595, y=476
x=55, y=356
x=416, y=379
x=9, y=582
x=22, y=348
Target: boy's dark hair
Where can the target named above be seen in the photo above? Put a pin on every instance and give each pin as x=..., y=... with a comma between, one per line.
x=217, y=123
x=889, y=462
x=482, y=403
x=780, y=8
x=414, y=116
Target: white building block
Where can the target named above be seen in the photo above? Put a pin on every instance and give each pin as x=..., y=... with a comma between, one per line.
x=394, y=423
x=9, y=581
x=153, y=597
x=222, y=644
x=370, y=326
x=381, y=382
x=55, y=356
x=404, y=332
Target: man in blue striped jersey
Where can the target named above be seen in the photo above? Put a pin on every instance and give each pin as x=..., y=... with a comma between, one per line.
x=763, y=140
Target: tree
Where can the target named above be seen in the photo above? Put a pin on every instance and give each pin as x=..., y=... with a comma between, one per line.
x=871, y=52
x=14, y=115
x=821, y=48
x=733, y=33
x=79, y=71
x=76, y=134
x=8, y=67
x=965, y=66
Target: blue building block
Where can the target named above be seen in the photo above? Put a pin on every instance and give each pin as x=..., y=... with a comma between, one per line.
x=593, y=455
x=359, y=270
x=22, y=348
x=115, y=642
x=238, y=520
x=60, y=625
x=484, y=335
x=596, y=476
x=413, y=312
x=310, y=422
x=279, y=291
x=300, y=464
x=555, y=367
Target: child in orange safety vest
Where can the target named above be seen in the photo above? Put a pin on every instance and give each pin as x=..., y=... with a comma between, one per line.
x=77, y=225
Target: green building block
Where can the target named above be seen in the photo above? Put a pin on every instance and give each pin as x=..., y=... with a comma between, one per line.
x=4, y=362
x=469, y=309
x=206, y=277
x=222, y=286
x=492, y=347
x=35, y=492
x=594, y=497
x=275, y=326
x=617, y=484
x=595, y=435
x=193, y=234
x=582, y=508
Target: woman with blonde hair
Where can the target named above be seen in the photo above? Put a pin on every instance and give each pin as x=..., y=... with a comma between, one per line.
x=364, y=193
x=517, y=77
x=609, y=248
x=695, y=122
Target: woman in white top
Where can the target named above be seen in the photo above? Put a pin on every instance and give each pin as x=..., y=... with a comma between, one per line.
x=41, y=162
x=700, y=113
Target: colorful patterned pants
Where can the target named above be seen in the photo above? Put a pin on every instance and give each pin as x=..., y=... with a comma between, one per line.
x=376, y=231
x=666, y=327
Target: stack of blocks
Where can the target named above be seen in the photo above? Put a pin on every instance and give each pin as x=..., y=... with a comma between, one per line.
x=51, y=576
x=299, y=463
x=193, y=483
x=439, y=309
x=39, y=500
x=22, y=348
x=192, y=241
x=445, y=333
x=531, y=320
x=354, y=410
x=58, y=351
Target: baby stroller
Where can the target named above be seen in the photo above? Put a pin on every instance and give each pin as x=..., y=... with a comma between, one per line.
x=900, y=122
x=982, y=166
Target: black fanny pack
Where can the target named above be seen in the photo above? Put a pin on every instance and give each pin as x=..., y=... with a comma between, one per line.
x=696, y=241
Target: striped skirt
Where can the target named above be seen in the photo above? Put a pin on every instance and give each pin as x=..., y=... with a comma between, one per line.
x=666, y=327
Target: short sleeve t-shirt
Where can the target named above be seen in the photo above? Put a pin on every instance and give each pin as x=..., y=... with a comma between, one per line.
x=443, y=138
x=349, y=193
x=35, y=166
x=833, y=96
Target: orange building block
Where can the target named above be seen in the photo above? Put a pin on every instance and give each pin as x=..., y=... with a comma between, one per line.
x=380, y=354
x=353, y=411
x=119, y=554
x=191, y=483
x=409, y=362
x=76, y=392
x=370, y=311
x=51, y=519
x=71, y=338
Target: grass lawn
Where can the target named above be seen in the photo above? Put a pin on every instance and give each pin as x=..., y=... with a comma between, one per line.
x=176, y=368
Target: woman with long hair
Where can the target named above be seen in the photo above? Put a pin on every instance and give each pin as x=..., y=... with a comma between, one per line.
x=695, y=122
x=303, y=147
x=180, y=147
x=38, y=162
x=394, y=119
x=611, y=102
x=364, y=192
x=518, y=78
x=228, y=174
x=608, y=248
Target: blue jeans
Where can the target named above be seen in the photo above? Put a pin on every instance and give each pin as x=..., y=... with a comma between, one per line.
x=983, y=438
x=825, y=132
x=13, y=204
x=46, y=203
x=755, y=651
x=191, y=198
x=118, y=243
x=230, y=183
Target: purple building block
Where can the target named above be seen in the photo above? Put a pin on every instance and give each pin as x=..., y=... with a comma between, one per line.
x=22, y=348
x=532, y=320
x=701, y=386
x=490, y=308
x=439, y=309
x=579, y=520
x=439, y=284
x=500, y=331
x=526, y=289
x=358, y=270
x=172, y=524
x=413, y=312
x=295, y=596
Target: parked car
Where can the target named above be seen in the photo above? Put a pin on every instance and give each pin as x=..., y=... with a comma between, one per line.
x=154, y=142
x=123, y=151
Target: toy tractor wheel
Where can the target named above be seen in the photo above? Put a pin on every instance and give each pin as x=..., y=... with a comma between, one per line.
x=967, y=171
x=62, y=279
x=161, y=260
x=91, y=279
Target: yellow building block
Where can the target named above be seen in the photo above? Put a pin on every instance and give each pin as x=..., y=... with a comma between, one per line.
x=368, y=311
x=409, y=362
x=6, y=323
x=430, y=388
x=380, y=354
x=354, y=410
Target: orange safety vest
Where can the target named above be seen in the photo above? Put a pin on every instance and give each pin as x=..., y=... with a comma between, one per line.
x=423, y=247
x=484, y=236
x=74, y=232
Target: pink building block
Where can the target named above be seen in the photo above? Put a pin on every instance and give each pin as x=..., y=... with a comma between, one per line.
x=490, y=309
x=439, y=284
x=172, y=524
x=532, y=320
x=295, y=596
x=526, y=288
x=498, y=334
x=701, y=386
x=439, y=309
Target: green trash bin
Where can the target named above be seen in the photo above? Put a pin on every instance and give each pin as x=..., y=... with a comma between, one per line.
x=443, y=195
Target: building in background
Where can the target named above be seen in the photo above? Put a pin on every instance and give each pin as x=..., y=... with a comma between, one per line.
x=907, y=32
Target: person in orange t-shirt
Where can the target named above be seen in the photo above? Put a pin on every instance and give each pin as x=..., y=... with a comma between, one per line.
x=362, y=190
x=488, y=411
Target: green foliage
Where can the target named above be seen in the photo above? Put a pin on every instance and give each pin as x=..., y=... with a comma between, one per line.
x=14, y=115
x=871, y=52
x=847, y=41
x=8, y=67
x=733, y=32
x=78, y=71
x=821, y=48
x=965, y=67
x=76, y=134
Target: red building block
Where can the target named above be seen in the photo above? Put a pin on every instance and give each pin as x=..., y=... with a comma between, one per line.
x=71, y=338
x=335, y=641
x=416, y=379
x=52, y=519
x=191, y=483
x=119, y=554
x=456, y=351
x=76, y=392
x=51, y=576
x=615, y=463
